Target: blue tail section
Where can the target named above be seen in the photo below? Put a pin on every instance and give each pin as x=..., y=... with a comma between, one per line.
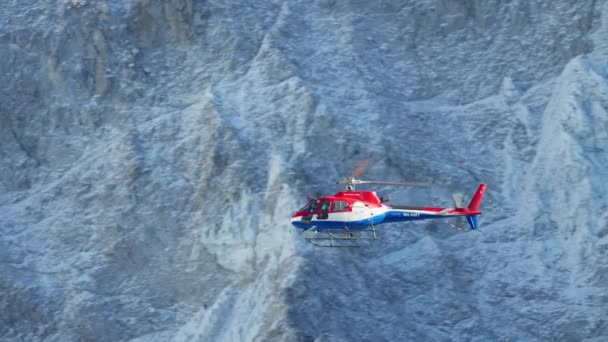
x=473, y=222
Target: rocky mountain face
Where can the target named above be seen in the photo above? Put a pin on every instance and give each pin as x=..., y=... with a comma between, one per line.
x=152, y=152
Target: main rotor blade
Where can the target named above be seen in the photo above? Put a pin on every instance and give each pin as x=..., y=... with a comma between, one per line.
x=363, y=165
x=423, y=185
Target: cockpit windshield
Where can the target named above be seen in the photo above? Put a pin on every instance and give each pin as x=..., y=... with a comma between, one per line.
x=311, y=206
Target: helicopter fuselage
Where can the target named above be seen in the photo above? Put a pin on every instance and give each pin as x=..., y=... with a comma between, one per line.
x=357, y=210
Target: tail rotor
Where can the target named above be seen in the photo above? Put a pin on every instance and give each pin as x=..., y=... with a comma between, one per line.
x=457, y=198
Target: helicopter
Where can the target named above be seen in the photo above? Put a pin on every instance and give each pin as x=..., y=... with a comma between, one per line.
x=347, y=217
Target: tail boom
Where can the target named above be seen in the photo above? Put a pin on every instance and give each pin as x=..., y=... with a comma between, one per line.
x=398, y=213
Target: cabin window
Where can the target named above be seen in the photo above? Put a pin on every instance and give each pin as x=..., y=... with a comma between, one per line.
x=340, y=206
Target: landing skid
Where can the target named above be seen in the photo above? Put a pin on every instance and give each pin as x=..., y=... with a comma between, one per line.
x=340, y=237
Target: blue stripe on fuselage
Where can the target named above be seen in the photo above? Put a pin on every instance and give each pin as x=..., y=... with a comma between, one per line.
x=353, y=225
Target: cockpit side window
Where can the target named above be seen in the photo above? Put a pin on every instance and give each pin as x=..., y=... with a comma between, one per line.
x=325, y=206
x=311, y=206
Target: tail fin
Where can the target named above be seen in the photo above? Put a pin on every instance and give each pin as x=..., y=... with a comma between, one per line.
x=474, y=206
x=476, y=200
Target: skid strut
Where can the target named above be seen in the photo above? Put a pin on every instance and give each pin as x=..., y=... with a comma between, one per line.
x=341, y=237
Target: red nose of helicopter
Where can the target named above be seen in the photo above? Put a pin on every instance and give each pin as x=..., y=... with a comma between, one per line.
x=301, y=219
